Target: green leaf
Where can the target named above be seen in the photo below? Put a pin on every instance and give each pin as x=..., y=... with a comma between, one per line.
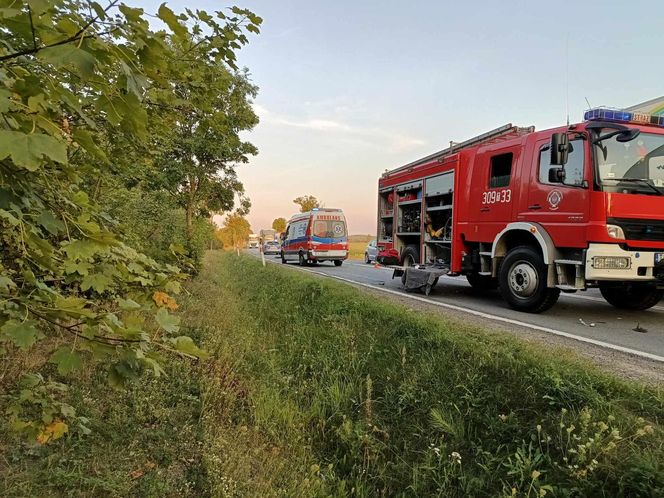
x=7, y=13
x=185, y=344
x=38, y=7
x=67, y=360
x=6, y=283
x=167, y=15
x=97, y=281
x=128, y=304
x=22, y=334
x=80, y=267
x=69, y=54
x=166, y=321
x=73, y=306
x=85, y=140
x=27, y=150
x=50, y=222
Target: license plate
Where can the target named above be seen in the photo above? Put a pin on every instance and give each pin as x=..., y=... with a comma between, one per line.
x=659, y=258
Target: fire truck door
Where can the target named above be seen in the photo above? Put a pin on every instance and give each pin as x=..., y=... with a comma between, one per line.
x=492, y=193
x=562, y=208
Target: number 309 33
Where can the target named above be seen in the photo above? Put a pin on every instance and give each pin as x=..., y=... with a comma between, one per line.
x=496, y=196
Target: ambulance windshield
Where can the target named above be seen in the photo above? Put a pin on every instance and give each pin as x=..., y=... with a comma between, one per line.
x=329, y=229
x=636, y=166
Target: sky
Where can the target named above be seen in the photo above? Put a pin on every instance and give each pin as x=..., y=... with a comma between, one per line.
x=348, y=89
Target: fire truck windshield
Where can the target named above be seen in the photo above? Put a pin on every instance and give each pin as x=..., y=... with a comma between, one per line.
x=635, y=166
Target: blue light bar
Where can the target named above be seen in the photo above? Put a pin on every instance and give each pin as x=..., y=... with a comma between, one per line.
x=622, y=116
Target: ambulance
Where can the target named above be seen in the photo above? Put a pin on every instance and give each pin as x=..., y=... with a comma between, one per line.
x=316, y=236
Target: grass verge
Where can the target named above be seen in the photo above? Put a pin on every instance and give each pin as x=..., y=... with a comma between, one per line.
x=314, y=388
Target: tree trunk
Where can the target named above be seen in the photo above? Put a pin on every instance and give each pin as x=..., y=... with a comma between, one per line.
x=189, y=216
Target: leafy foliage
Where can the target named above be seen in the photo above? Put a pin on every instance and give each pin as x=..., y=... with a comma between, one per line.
x=235, y=232
x=78, y=81
x=279, y=225
x=306, y=203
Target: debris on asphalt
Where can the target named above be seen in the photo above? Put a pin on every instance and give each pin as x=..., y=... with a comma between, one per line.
x=582, y=322
x=638, y=328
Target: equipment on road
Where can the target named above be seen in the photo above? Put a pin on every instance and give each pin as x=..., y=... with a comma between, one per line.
x=536, y=213
x=315, y=236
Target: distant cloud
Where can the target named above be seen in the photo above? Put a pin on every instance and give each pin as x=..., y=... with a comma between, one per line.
x=396, y=142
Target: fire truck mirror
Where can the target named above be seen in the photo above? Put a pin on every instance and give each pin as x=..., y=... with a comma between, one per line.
x=559, y=149
x=556, y=175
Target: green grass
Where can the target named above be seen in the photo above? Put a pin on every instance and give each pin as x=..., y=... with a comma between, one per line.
x=316, y=389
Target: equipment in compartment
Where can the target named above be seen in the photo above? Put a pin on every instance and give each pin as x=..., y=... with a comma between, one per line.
x=409, y=219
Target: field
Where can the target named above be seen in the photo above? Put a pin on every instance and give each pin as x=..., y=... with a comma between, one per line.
x=357, y=244
x=313, y=388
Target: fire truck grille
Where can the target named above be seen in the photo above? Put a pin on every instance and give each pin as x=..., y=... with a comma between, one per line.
x=640, y=229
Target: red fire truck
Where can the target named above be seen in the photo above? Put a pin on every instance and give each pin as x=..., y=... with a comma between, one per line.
x=537, y=213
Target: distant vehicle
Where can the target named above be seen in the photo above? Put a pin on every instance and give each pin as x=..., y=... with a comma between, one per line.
x=268, y=235
x=271, y=247
x=315, y=236
x=536, y=213
x=254, y=241
x=371, y=252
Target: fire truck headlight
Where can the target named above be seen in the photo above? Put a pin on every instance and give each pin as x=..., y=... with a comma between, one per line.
x=612, y=262
x=615, y=232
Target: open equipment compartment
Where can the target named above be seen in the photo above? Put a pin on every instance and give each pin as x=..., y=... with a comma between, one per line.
x=409, y=217
x=386, y=215
x=438, y=208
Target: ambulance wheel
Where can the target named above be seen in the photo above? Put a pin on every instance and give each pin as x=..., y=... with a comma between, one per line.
x=302, y=259
x=283, y=258
x=410, y=256
x=338, y=262
x=522, y=279
x=631, y=295
x=482, y=282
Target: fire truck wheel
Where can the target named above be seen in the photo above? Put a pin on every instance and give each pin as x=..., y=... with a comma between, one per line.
x=410, y=256
x=482, y=282
x=338, y=262
x=631, y=295
x=303, y=260
x=522, y=280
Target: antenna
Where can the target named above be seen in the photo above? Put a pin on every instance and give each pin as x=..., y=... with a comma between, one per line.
x=567, y=76
x=589, y=106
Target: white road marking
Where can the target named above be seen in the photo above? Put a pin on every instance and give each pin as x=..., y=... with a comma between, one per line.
x=497, y=318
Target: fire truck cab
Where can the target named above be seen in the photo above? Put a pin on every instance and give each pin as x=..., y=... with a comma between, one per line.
x=537, y=213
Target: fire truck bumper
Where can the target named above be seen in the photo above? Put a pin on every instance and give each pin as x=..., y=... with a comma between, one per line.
x=611, y=262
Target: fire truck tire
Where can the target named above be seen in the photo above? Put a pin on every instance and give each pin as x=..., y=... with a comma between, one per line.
x=302, y=259
x=631, y=296
x=410, y=256
x=482, y=282
x=338, y=262
x=522, y=280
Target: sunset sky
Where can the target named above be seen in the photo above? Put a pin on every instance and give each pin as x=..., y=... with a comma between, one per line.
x=351, y=88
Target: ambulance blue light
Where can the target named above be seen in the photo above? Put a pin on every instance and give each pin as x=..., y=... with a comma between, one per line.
x=622, y=116
x=315, y=209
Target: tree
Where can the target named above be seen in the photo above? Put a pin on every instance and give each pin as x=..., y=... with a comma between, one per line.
x=279, y=225
x=75, y=77
x=235, y=232
x=306, y=203
x=197, y=159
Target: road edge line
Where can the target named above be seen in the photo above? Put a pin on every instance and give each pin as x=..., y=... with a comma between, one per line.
x=482, y=314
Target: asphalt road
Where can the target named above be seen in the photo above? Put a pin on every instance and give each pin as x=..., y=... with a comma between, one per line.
x=583, y=316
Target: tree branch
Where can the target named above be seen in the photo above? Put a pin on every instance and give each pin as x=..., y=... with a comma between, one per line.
x=78, y=34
